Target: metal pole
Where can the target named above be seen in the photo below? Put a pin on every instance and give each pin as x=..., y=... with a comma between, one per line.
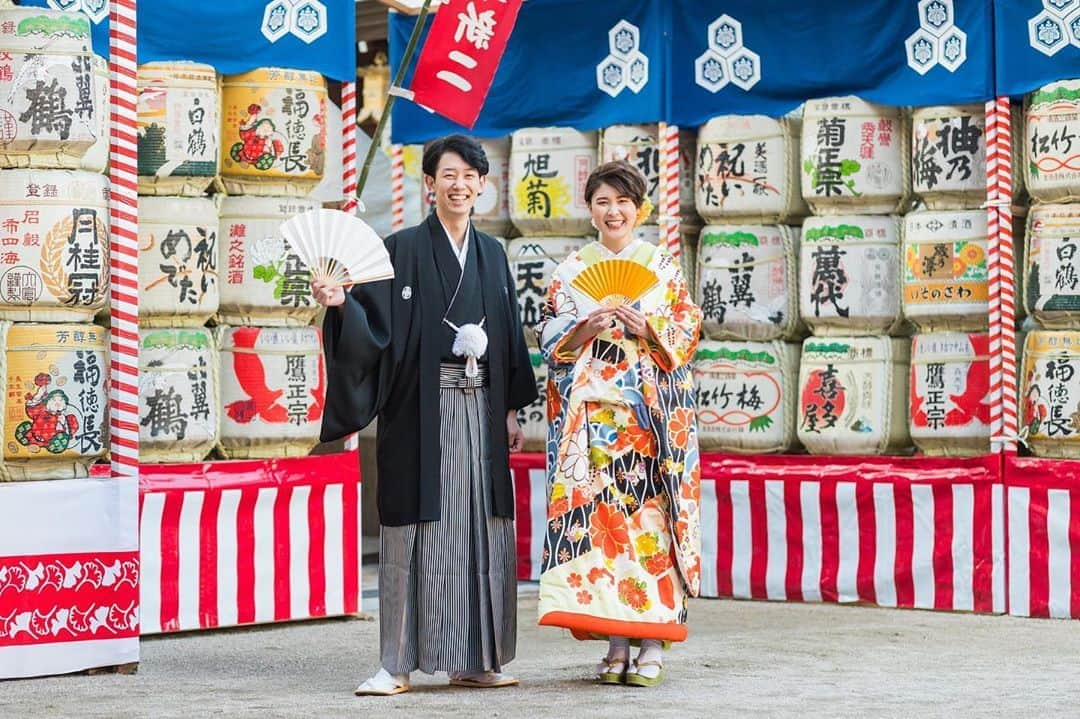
x=399, y=78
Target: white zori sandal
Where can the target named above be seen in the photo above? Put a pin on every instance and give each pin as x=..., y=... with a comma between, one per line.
x=481, y=680
x=383, y=684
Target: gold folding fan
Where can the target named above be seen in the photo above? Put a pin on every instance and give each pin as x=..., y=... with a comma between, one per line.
x=612, y=283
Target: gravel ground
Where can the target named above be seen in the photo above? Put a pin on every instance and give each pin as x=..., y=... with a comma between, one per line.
x=751, y=658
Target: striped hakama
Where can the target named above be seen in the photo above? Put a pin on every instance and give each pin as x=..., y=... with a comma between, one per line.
x=448, y=589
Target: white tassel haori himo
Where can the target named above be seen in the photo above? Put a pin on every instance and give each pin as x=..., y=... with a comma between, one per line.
x=471, y=343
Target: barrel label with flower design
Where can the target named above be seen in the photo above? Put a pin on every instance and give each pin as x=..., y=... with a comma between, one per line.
x=548, y=170
x=945, y=270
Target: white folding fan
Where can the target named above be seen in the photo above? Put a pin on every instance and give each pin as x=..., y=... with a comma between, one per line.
x=338, y=248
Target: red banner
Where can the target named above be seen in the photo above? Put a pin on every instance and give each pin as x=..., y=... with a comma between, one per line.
x=462, y=51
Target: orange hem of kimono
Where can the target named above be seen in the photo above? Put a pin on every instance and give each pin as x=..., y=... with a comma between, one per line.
x=585, y=627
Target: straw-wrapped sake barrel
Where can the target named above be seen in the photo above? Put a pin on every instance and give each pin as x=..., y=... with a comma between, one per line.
x=849, y=279
x=1050, y=393
x=855, y=157
x=1052, y=265
x=273, y=391
x=853, y=395
x=491, y=214
x=532, y=262
x=96, y=158
x=49, y=112
x=746, y=395
x=263, y=281
x=950, y=393
x=945, y=270
x=747, y=170
x=273, y=136
x=548, y=170
x=1051, y=143
x=534, y=418
x=178, y=261
x=179, y=128
x=56, y=401
x=54, y=245
x=948, y=156
x=178, y=395
x=746, y=281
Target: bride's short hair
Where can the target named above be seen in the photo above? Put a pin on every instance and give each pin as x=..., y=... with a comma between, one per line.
x=623, y=177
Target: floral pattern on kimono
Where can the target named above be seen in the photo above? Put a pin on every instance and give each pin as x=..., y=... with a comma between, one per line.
x=623, y=543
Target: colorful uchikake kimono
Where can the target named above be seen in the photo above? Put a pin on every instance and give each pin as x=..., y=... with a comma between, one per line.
x=623, y=545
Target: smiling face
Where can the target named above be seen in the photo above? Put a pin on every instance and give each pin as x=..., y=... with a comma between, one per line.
x=456, y=185
x=613, y=214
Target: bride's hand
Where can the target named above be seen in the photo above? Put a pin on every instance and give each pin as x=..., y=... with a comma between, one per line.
x=632, y=320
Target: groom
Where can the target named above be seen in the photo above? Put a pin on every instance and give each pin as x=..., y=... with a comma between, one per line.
x=447, y=414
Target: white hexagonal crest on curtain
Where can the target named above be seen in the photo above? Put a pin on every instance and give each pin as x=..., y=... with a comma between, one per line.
x=623, y=39
x=98, y=10
x=1072, y=23
x=638, y=75
x=922, y=51
x=1061, y=8
x=308, y=20
x=611, y=75
x=952, y=49
x=710, y=72
x=275, y=24
x=936, y=15
x=66, y=5
x=745, y=66
x=725, y=35
x=1047, y=33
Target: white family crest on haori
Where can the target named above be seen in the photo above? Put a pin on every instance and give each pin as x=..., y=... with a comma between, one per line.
x=1056, y=26
x=96, y=10
x=726, y=60
x=937, y=41
x=337, y=247
x=626, y=66
x=305, y=19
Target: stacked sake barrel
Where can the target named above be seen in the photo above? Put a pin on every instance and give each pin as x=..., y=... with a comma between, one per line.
x=546, y=199
x=746, y=191
x=853, y=375
x=1050, y=387
x=945, y=282
x=54, y=246
x=223, y=161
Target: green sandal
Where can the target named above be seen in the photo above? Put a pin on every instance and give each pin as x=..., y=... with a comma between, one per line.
x=605, y=672
x=636, y=679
